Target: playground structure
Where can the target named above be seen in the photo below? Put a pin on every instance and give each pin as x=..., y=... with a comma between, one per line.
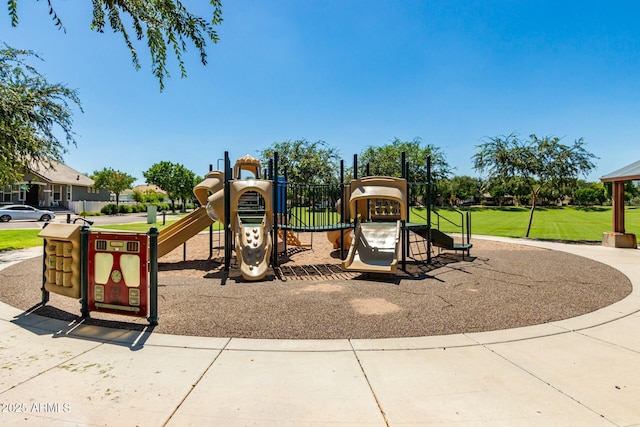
x=378, y=206
x=261, y=217
x=116, y=272
x=251, y=228
x=372, y=223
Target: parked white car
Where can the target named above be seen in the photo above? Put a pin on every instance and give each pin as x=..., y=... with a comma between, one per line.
x=24, y=212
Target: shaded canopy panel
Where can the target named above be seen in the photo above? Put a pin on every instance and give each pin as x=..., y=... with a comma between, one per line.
x=628, y=173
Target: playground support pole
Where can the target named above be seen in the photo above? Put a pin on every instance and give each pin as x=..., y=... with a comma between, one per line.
x=429, y=209
x=84, y=270
x=355, y=166
x=274, y=210
x=153, y=276
x=286, y=215
x=45, y=292
x=227, y=212
x=408, y=206
x=403, y=229
x=342, y=210
x=355, y=176
x=210, y=228
x=367, y=172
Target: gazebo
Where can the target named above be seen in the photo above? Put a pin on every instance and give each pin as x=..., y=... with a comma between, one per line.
x=618, y=238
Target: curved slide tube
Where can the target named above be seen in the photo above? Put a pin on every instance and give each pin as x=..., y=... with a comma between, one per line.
x=374, y=248
x=187, y=227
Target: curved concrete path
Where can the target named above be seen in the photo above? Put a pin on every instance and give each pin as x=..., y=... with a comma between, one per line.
x=583, y=371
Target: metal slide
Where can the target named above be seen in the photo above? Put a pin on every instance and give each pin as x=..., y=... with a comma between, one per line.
x=374, y=248
x=182, y=230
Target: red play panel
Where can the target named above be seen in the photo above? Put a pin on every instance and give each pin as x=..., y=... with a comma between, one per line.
x=118, y=273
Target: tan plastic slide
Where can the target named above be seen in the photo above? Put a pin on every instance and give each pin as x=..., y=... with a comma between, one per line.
x=374, y=248
x=182, y=230
x=187, y=227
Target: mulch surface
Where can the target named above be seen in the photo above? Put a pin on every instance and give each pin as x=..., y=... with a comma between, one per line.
x=500, y=286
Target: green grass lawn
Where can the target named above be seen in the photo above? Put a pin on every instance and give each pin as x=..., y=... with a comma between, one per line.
x=566, y=223
x=18, y=239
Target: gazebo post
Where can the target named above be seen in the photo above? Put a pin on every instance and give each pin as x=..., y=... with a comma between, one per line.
x=618, y=206
x=619, y=238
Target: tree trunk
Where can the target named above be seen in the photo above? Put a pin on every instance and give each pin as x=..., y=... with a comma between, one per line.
x=533, y=207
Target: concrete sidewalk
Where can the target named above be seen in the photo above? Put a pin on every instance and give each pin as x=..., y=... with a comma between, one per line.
x=582, y=371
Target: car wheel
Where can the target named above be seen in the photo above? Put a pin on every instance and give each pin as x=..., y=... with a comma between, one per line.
x=5, y=218
x=45, y=218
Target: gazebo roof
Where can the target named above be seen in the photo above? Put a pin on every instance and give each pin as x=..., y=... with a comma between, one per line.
x=628, y=173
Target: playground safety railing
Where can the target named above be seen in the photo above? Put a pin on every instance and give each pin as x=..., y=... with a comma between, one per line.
x=464, y=225
x=311, y=207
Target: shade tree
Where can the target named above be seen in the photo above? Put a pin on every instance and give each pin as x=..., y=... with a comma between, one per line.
x=304, y=161
x=175, y=179
x=36, y=116
x=540, y=162
x=113, y=180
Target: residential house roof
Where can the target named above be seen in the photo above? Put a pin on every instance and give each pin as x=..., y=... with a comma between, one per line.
x=145, y=187
x=59, y=173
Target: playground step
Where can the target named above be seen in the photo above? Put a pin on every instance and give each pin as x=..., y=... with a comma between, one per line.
x=438, y=238
x=441, y=240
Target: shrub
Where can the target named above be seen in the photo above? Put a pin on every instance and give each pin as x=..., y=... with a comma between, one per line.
x=163, y=206
x=85, y=213
x=109, y=209
x=124, y=209
x=138, y=196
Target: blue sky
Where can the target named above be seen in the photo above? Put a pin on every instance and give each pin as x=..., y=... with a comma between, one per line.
x=354, y=74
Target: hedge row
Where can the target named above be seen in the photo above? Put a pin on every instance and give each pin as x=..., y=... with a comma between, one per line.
x=112, y=209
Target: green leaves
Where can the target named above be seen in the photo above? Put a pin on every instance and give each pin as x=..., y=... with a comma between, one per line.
x=173, y=178
x=13, y=12
x=33, y=114
x=384, y=160
x=113, y=180
x=305, y=162
x=166, y=24
x=544, y=164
